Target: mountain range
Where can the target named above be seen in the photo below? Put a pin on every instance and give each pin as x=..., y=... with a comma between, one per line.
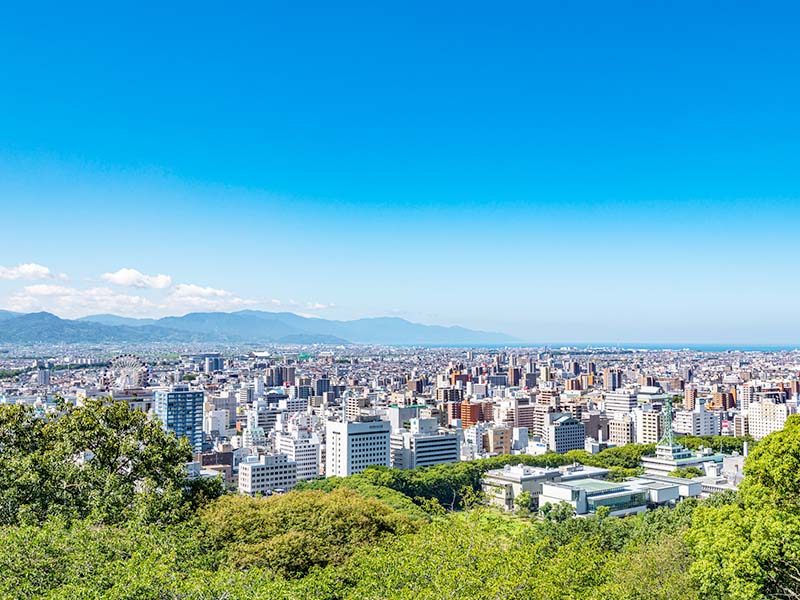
x=242, y=326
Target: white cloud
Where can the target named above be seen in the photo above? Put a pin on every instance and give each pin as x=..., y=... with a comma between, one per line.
x=186, y=290
x=189, y=296
x=133, y=278
x=68, y=301
x=48, y=289
x=29, y=271
x=73, y=302
x=319, y=306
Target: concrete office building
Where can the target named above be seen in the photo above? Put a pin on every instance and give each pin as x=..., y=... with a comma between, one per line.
x=352, y=446
x=565, y=433
x=620, y=402
x=302, y=448
x=503, y=486
x=266, y=474
x=423, y=445
x=698, y=421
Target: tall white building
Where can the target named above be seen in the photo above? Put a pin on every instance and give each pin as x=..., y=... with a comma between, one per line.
x=352, y=446
x=698, y=421
x=263, y=414
x=258, y=387
x=745, y=394
x=266, y=473
x=620, y=402
x=423, y=445
x=765, y=417
x=293, y=404
x=302, y=447
x=472, y=447
x=216, y=421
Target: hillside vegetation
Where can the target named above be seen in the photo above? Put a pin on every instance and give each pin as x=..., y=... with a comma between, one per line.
x=124, y=523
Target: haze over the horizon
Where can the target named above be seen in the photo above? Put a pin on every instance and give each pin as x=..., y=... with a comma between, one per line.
x=554, y=172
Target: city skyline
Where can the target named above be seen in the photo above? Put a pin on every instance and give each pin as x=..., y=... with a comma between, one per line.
x=616, y=174
x=414, y=300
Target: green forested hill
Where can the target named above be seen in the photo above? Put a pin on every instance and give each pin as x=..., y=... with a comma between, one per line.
x=124, y=524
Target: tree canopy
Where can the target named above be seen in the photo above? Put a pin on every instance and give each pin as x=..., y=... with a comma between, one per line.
x=100, y=460
x=95, y=503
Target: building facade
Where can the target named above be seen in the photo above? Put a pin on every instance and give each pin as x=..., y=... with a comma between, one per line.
x=352, y=446
x=180, y=410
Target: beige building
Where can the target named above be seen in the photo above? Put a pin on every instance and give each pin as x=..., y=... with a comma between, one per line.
x=497, y=440
x=620, y=430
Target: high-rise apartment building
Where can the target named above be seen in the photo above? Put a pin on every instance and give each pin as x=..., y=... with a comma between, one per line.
x=648, y=427
x=354, y=405
x=766, y=416
x=689, y=397
x=471, y=413
x=180, y=410
x=621, y=430
x=612, y=379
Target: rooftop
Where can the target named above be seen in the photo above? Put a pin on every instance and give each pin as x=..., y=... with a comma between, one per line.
x=594, y=485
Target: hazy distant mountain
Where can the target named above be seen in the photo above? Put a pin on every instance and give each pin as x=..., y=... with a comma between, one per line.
x=243, y=326
x=43, y=327
x=8, y=314
x=106, y=319
x=384, y=330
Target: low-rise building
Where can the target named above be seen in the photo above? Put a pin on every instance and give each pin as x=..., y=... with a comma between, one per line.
x=266, y=474
x=503, y=486
x=587, y=495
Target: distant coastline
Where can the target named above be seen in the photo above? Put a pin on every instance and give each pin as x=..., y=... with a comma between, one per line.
x=628, y=346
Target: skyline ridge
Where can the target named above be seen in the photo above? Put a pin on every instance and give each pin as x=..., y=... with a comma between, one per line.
x=242, y=326
x=509, y=341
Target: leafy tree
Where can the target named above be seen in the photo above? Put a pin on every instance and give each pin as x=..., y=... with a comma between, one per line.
x=97, y=505
x=291, y=533
x=417, y=508
x=557, y=513
x=772, y=470
x=101, y=459
x=523, y=503
x=23, y=474
x=687, y=472
x=719, y=443
x=623, y=473
x=750, y=549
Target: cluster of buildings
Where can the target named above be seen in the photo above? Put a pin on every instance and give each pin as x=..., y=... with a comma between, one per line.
x=265, y=420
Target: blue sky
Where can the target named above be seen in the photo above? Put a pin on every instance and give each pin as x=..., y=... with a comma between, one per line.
x=618, y=171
